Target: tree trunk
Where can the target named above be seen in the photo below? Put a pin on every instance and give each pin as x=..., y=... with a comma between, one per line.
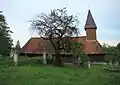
x=57, y=61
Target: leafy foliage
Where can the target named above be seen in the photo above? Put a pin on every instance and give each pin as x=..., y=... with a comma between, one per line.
x=118, y=46
x=111, y=52
x=57, y=27
x=5, y=36
x=118, y=51
x=77, y=51
x=48, y=60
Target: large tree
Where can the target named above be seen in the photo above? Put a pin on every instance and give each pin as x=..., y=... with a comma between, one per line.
x=5, y=36
x=57, y=27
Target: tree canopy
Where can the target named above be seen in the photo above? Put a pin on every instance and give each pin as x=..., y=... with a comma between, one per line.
x=57, y=27
x=5, y=36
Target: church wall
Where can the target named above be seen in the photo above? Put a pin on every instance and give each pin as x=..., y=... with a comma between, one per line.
x=96, y=57
x=91, y=34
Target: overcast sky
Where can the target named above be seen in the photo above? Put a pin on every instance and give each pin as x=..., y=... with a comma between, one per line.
x=106, y=14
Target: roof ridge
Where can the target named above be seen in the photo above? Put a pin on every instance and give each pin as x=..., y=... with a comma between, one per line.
x=41, y=38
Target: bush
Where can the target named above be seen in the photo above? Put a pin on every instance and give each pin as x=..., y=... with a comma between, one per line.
x=40, y=60
x=48, y=60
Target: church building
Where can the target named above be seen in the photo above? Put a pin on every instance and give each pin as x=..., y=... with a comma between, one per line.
x=91, y=46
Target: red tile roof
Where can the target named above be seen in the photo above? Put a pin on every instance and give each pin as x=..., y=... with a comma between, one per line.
x=93, y=47
x=37, y=45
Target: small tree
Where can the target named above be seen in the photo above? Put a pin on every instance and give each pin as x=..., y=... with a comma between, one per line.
x=57, y=27
x=118, y=52
x=112, y=53
x=77, y=51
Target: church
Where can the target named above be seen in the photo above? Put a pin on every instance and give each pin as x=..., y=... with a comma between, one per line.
x=36, y=45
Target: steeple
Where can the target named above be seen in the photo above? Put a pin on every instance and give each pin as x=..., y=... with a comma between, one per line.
x=90, y=27
x=90, y=23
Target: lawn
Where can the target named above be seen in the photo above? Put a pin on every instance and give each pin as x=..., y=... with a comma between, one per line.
x=49, y=75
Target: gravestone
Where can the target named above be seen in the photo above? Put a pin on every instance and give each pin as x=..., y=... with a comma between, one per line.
x=116, y=64
x=50, y=55
x=0, y=56
x=11, y=54
x=15, y=58
x=79, y=60
x=110, y=62
x=89, y=65
x=44, y=57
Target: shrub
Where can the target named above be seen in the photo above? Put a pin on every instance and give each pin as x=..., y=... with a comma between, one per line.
x=48, y=60
x=40, y=60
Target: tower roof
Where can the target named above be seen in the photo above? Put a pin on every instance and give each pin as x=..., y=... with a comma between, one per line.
x=90, y=23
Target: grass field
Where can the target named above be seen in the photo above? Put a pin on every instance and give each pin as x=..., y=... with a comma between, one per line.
x=49, y=75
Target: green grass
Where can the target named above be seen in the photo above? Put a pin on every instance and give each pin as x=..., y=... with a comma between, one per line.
x=49, y=75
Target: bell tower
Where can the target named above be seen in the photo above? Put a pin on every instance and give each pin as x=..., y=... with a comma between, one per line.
x=90, y=27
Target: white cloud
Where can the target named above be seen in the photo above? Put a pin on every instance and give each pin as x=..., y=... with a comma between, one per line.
x=110, y=42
